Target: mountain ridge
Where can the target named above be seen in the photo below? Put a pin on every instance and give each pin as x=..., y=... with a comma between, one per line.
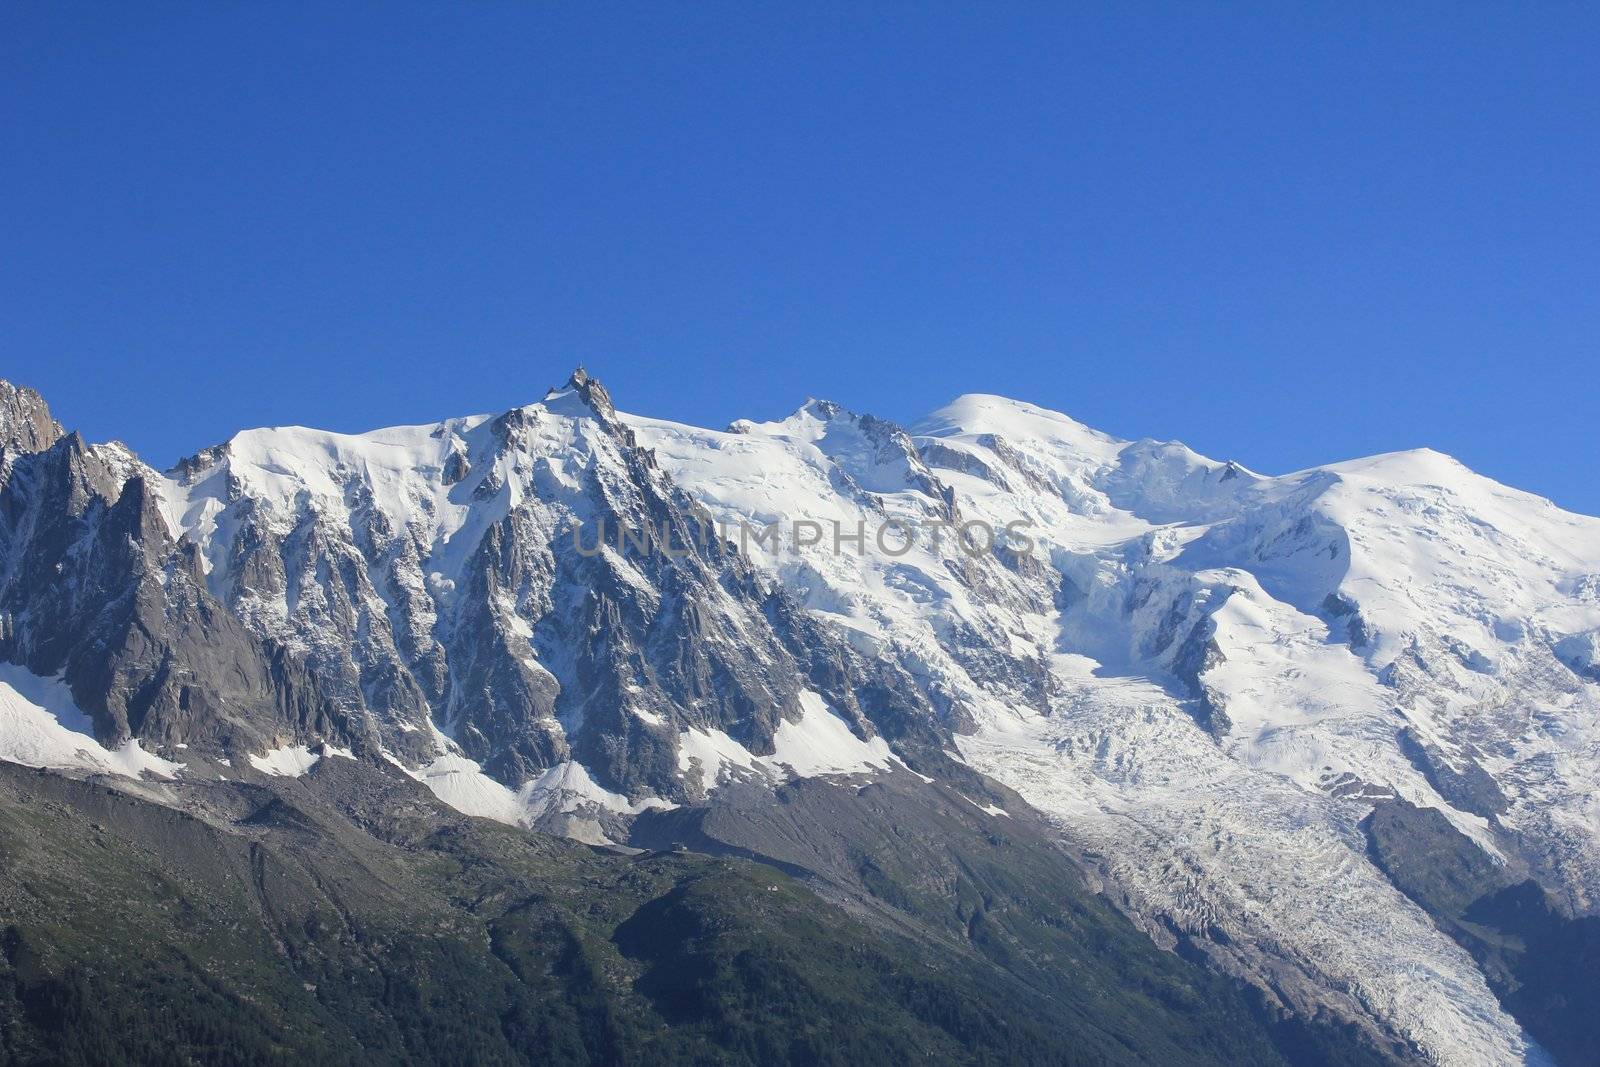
x=1198, y=671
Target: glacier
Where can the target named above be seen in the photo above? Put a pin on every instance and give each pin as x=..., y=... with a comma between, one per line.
x=1203, y=676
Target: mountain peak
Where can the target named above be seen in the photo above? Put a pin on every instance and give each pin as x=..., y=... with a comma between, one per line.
x=589, y=390
x=818, y=408
x=808, y=420
x=25, y=422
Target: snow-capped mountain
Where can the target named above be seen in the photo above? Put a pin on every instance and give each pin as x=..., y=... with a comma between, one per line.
x=1205, y=679
x=437, y=589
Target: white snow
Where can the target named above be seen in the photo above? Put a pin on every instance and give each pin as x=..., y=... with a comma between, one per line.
x=567, y=787
x=41, y=726
x=821, y=743
x=714, y=754
x=461, y=783
x=287, y=761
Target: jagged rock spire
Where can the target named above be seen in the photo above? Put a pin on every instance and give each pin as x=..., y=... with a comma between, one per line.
x=591, y=391
x=25, y=422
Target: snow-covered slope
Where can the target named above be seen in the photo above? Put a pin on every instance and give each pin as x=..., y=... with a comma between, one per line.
x=1208, y=676
x=41, y=726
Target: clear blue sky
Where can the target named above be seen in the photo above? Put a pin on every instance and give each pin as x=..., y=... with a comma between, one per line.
x=1283, y=234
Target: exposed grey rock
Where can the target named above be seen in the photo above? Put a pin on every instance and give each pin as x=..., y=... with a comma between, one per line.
x=1348, y=613
x=1196, y=654
x=25, y=422
x=537, y=647
x=1461, y=781
x=96, y=591
x=1540, y=961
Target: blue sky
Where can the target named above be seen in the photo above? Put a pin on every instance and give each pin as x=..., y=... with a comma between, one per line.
x=1283, y=234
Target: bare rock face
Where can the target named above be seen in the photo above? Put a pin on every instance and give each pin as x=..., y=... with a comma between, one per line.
x=25, y=422
x=527, y=590
x=97, y=591
x=529, y=584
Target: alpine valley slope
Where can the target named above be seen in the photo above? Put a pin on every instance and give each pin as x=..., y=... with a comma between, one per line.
x=1205, y=682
